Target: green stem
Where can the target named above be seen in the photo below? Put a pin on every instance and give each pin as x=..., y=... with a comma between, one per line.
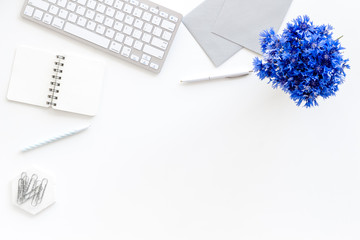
x=340, y=37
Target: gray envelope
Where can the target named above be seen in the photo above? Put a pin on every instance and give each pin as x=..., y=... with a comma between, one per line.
x=200, y=22
x=241, y=21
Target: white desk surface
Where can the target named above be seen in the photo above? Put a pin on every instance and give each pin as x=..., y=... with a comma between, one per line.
x=218, y=160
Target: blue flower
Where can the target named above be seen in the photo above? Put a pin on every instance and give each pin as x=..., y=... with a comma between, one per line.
x=304, y=61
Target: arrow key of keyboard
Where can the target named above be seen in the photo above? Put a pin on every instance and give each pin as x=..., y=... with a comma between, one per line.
x=135, y=58
x=154, y=66
x=146, y=57
x=143, y=61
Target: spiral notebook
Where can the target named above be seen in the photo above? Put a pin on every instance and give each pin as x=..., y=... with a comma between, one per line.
x=66, y=82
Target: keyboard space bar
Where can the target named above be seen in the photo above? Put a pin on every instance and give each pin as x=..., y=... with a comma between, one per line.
x=87, y=35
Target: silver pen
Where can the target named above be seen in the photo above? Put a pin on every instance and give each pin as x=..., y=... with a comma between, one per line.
x=232, y=75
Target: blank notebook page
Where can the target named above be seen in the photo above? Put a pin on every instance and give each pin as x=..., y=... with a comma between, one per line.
x=31, y=76
x=80, y=83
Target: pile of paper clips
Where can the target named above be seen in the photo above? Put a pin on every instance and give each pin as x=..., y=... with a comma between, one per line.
x=31, y=189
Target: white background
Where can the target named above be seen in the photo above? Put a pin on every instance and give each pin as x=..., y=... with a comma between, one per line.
x=217, y=160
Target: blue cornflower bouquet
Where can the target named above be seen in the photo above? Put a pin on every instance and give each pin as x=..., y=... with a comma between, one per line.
x=304, y=61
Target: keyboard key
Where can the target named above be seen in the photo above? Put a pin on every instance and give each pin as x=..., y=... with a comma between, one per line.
x=138, y=23
x=129, y=19
x=29, y=11
x=81, y=21
x=156, y=20
x=118, y=26
x=135, y=57
x=119, y=16
x=91, y=25
x=128, y=30
x=38, y=14
x=138, y=45
x=71, y=6
x=115, y=47
x=128, y=8
x=167, y=36
x=90, y=14
x=174, y=19
x=153, y=51
x=110, y=33
x=118, y=4
x=100, y=29
x=154, y=66
x=109, y=22
x=146, y=37
x=146, y=57
x=157, y=42
x=134, y=2
x=148, y=27
x=119, y=37
x=164, y=14
x=157, y=31
x=72, y=17
x=87, y=35
x=54, y=10
x=82, y=2
x=63, y=13
x=91, y=4
x=154, y=10
x=137, y=34
x=145, y=62
x=126, y=52
x=62, y=3
x=137, y=12
x=99, y=18
x=47, y=18
x=147, y=16
x=144, y=6
x=101, y=8
x=52, y=1
x=110, y=12
x=58, y=23
x=80, y=10
x=129, y=41
x=109, y=2
x=168, y=25
x=39, y=4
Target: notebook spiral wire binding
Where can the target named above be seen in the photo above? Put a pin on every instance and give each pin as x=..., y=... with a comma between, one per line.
x=55, y=83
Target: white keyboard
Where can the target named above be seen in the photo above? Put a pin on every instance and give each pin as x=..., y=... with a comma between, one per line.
x=140, y=32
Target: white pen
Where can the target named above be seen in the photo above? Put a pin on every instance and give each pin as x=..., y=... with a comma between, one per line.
x=232, y=75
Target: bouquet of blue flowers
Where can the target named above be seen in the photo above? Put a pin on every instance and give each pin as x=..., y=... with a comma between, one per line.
x=304, y=61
